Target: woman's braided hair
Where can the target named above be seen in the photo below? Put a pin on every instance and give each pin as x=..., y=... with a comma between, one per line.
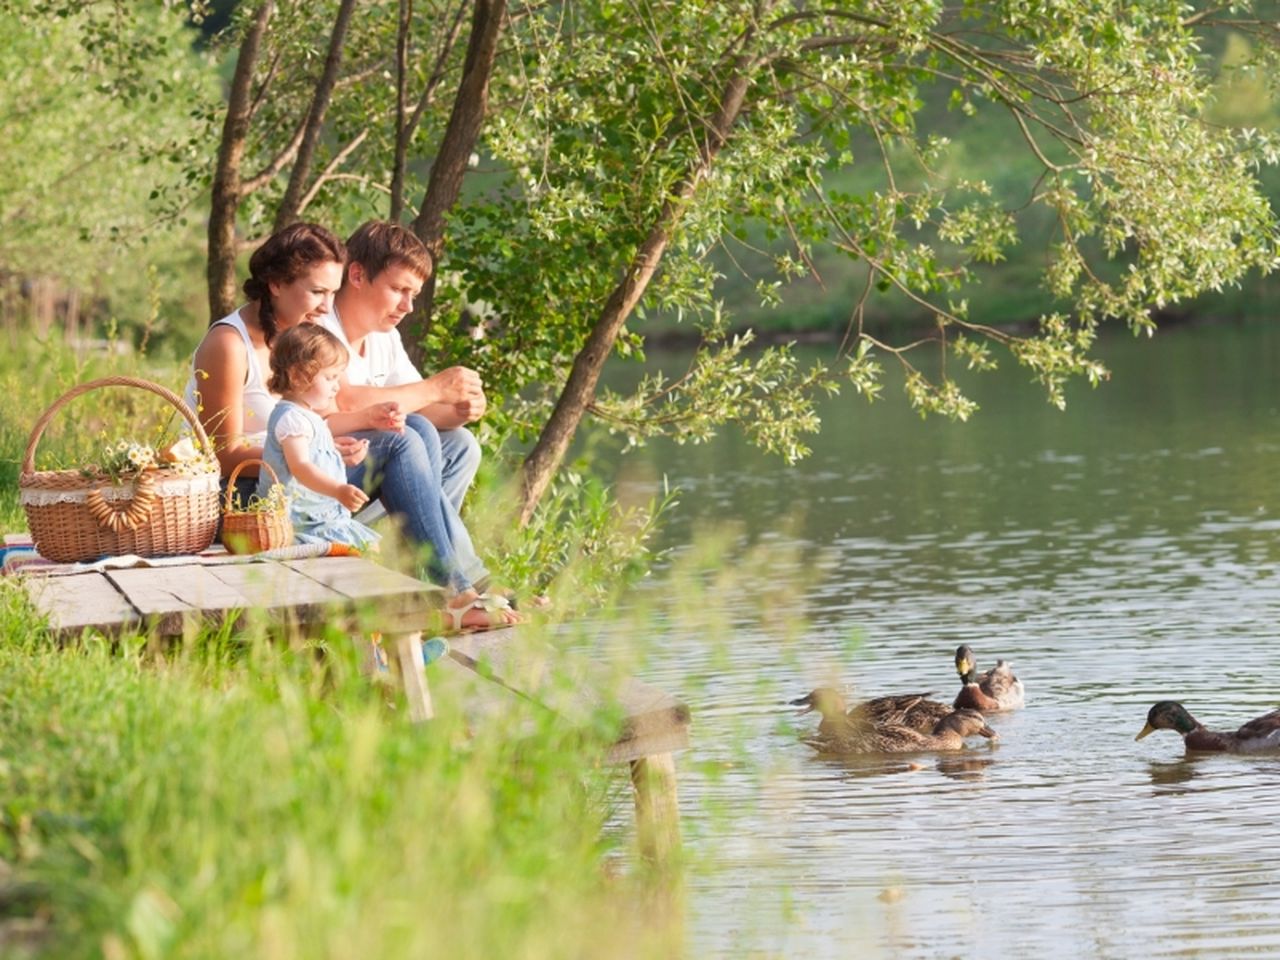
x=283, y=257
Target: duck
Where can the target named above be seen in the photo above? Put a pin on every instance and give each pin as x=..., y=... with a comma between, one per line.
x=948, y=734
x=991, y=692
x=1259, y=735
x=913, y=710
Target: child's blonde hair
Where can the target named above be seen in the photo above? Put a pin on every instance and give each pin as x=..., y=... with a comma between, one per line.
x=301, y=352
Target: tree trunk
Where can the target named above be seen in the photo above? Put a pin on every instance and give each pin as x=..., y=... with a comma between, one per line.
x=450, y=166
x=406, y=122
x=287, y=212
x=221, y=269
x=579, y=390
x=400, y=158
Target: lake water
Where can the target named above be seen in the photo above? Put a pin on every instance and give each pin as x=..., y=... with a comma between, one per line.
x=1122, y=552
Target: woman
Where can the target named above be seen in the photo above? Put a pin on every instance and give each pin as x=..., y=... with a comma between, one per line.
x=293, y=277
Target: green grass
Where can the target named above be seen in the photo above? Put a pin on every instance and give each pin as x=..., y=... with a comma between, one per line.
x=236, y=797
x=241, y=795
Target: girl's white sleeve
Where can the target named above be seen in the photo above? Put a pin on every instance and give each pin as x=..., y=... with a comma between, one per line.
x=293, y=423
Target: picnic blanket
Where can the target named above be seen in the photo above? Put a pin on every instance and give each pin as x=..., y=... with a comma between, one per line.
x=19, y=555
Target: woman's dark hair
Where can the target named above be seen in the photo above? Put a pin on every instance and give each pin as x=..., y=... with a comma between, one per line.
x=283, y=257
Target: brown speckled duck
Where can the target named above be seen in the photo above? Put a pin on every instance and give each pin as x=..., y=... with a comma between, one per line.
x=913, y=710
x=949, y=733
x=896, y=724
x=1260, y=735
x=997, y=689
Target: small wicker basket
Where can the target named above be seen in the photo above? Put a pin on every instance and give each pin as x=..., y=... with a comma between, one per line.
x=158, y=513
x=252, y=531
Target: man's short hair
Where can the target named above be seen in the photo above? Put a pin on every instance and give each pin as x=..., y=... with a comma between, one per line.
x=379, y=244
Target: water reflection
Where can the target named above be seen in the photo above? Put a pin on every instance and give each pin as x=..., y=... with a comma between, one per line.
x=1170, y=779
x=964, y=767
x=1120, y=554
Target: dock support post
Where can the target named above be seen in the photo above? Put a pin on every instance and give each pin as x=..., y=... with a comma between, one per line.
x=413, y=675
x=657, y=810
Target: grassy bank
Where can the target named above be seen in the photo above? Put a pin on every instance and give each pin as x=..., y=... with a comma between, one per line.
x=239, y=795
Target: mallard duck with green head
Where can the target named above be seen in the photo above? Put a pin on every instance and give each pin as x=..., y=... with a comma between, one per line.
x=1260, y=735
x=997, y=689
x=913, y=710
x=948, y=734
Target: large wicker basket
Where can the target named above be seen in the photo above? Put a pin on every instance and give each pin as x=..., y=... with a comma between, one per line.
x=155, y=514
x=252, y=531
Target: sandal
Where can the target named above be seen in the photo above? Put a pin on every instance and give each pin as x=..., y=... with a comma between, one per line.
x=489, y=605
x=539, y=601
x=484, y=586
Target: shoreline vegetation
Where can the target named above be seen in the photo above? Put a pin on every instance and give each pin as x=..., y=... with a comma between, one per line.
x=241, y=795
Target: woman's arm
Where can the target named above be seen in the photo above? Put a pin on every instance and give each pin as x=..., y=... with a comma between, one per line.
x=222, y=366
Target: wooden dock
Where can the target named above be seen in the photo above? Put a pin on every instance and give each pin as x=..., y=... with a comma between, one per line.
x=302, y=595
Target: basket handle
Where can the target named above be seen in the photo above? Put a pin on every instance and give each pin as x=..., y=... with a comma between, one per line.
x=231, y=480
x=29, y=458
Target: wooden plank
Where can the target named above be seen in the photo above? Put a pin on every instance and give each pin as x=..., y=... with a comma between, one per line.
x=72, y=603
x=399, y=602
x=170, y=598
x=669, y=739
x=281, y=591
x=359, y=579
x=653, y=722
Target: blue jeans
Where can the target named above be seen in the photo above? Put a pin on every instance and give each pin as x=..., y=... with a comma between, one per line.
x=455, y=458
x=454, y=454
x=399, y=469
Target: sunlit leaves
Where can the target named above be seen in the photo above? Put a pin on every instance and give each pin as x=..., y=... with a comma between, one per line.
x=765, y=393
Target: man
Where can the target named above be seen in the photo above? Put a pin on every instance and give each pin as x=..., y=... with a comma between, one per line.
x=386, y=268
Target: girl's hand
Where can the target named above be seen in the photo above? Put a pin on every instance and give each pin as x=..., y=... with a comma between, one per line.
x=351, y=450
x=386, y=416
x=352, y=497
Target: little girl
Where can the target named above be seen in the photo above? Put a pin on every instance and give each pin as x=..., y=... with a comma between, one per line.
x=307, y=362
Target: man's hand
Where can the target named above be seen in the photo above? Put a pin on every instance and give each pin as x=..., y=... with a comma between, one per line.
x=460, y=387
x=352, y=497
x=469, y=411
x=386, y=416
x=351, y=449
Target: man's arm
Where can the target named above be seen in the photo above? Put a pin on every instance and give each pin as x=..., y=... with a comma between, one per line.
x=450, y=398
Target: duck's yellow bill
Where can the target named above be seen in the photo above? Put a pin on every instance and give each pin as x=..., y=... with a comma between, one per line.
x=1146, y=728
x=962, y=667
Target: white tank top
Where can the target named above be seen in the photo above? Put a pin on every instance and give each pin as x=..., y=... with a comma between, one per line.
x=258, y=400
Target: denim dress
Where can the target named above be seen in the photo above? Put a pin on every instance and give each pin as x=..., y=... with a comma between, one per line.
x=316, y=518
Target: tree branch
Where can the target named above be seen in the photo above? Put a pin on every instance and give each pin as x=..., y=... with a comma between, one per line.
x=287, y=212
x=277, y=163
x=328, y=173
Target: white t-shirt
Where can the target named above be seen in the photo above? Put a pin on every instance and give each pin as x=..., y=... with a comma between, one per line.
x=384, y=362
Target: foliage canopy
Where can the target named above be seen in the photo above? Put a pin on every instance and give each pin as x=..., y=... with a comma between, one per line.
x=640, y=160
